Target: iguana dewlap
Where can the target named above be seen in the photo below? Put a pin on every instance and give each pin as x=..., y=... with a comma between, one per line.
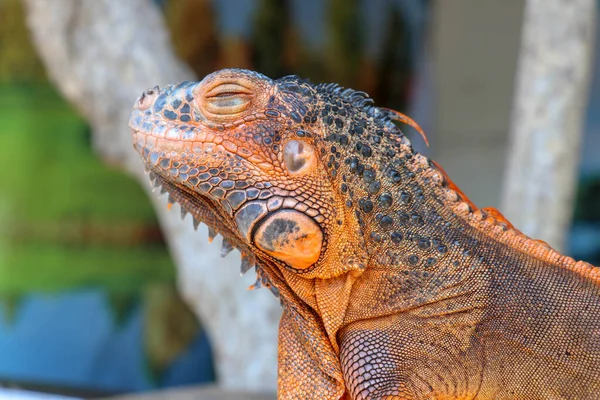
x=393, y=284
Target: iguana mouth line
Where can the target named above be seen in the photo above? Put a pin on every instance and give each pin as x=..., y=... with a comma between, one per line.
x=207, y=144
x=148, y=143
x=169, y=131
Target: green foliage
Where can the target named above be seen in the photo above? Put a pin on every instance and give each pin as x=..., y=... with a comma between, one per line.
x=276, y=47
x=122, y=304
x=18, y=60
x=193, y=33
x=271, y=25
x=10, y=303
x=48, y=167
x=587, y=202
x=394, y=68
x=66, y=220
x=51, y=267
x=344, y=50
x=169, y=326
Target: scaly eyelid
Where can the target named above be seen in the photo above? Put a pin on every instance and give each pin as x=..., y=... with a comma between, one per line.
x=228, y=90
x=227, y=99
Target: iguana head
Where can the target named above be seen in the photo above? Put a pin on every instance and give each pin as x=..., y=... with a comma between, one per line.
x=289, y=172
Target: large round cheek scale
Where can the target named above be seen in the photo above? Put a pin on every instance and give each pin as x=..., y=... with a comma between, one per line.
x=290, y=236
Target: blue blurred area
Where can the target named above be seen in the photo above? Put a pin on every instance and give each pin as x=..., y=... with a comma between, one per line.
x=72, y=340
x=590, y=156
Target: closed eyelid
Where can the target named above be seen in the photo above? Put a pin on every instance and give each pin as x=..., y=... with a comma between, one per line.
x=228, y=89
x=229, y=98
x=228, y=101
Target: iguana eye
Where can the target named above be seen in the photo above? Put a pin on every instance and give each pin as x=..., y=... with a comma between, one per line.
x=298, y=156
x=227, y=99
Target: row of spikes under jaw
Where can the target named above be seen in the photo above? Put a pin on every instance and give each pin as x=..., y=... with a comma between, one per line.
x=248, y=261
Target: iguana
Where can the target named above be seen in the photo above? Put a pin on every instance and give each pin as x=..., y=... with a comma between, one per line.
x=393, y=284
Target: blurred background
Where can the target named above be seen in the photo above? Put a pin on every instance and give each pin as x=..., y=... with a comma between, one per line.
x=103, y=292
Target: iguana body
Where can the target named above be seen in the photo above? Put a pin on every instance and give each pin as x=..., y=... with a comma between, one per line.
x=393, y=284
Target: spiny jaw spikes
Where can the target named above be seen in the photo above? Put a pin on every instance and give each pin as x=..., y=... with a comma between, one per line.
x=219, y=139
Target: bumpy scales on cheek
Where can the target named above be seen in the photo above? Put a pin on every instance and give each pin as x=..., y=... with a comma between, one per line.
x=367, y=157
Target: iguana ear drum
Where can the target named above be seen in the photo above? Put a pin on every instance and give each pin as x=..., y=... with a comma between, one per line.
x=290, y=236
x=298, y=157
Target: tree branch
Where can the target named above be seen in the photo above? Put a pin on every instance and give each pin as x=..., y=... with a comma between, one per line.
x=102, y=54
x=546, y=132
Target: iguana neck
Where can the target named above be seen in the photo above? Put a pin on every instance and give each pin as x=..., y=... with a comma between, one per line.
x=411, y=233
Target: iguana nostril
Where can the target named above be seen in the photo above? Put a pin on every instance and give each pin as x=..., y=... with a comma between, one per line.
x=147, y=98
x=152, y=91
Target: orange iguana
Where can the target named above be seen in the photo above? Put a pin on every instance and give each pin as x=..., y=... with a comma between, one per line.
x=394, y=285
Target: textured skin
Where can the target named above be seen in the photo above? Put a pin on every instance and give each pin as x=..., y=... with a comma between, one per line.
x=394, y=285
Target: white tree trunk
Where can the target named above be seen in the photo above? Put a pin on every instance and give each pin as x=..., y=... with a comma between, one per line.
x=551, y=97
x=102, y=54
